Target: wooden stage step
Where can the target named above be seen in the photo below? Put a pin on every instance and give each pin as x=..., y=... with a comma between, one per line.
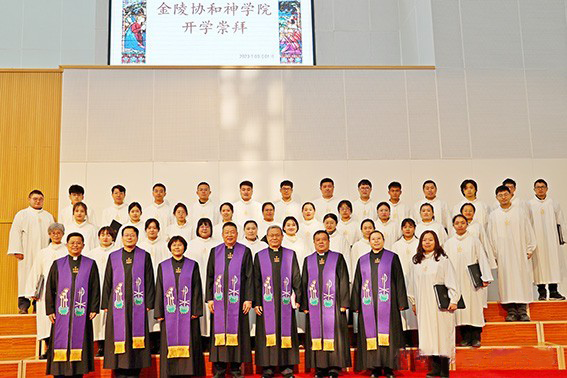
x=17, y=325
x=10, y=369
x=509, y=334
x=539, y=311
x=17, y=347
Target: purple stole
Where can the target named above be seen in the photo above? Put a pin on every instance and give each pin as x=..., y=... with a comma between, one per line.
x=177, y=305
x=322, y=318
x=268, y=296
x=383, y=306
x=65, y=318
x=138, y=306
x=225, y=326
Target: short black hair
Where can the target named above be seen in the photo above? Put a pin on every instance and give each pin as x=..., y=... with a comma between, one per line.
x=383, y=203
x=250, y=221
x=368, y=220
x=267, y=204
x=81, y=204
x=429, y=182
x=509, y=181
x=120, y=188
x=75, y=234
x=345, y=202
x=246, y=183
x=133, y=205
x=427, y=204
x=290, y=218
x=286, y=183
x=540, y=181
x=131, y=228
x=182, y=205
x=364, y=182
x=226, y=204
x=321, y=232
x=35, y=191
x=502, y=188
x=377, y=232
x=159, y=185
x=229, y=224
x=201, y=222
x=332, y=216
x=111, y=231
x=76, y=189
x=175, y=239
x=468, y=181
x=326, y=179
x=308, y=203
x=394, y=184
x=408, y=220
x=467, y=204
x=203, y=183
x=150, y=221
x=459, y=216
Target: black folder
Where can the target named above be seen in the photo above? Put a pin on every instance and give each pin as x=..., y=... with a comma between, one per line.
x=443, y=301
x=39, y=287
x=115, y=226
x=474, y=271
x=561, y=241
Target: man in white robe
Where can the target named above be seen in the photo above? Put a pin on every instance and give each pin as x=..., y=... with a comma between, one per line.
x=440, y=209
x=469, y=190
x=247, y=209
x=118, y=211
x=513, y=241
x=76, y=195
x=28, y=234
x=363, y=206
x=268, y=219
x=398, y=209
x=287, y=207
x=326, y=204
x=511, y=184
x=348, y=225
x=548, y=222
x=160, y=209
x=203, y=207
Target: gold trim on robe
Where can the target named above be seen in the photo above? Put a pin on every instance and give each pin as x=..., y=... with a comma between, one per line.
x=60, y=355
x=316, y=344
x=384, y=339
x=119, y=347
x=76, y=355
x=178, y=351
x=138, y=342
x=220, y=339
x=329, y=345
x=286, y=342
x=231, y=340
x=270, y=340
x=371, y=343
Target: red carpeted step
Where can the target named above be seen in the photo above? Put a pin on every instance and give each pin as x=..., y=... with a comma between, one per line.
x=510, y=334
x=17, y=347
x=494, y=312
x=555, y=332
x=548, y=310
x=504, y=358
x=17, y=325
x=9, y=369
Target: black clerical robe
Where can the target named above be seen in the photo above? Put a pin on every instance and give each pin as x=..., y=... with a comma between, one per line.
x=132, y=358
x=242, y=352
x=340, y=357
x=195, y=364
x=276, y=355
x=86, y=365
x=384, y=356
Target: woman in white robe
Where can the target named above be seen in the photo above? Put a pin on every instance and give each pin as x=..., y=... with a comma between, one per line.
x=106, y=237
x=387, y=226
x=82, y=226
x=362, y=246
x=436, y=330
x=464, y=250
x=226, y=213
x=180, y=226
x=198, y=249
x=42, y=261
x=348, y=226
x=338, y=242
x=309, y=225
x=406, y=248
x=268, y=214
x=428, y=223
x=469, y=190
x=135, y=220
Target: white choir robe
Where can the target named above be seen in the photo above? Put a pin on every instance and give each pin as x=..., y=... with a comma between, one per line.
x=43, y=259
x=297, y=244
x=350, y=230
x=512, y=237
x=307, y=229
x=406, y=249
x=515, y=201
x=66, y=215
x=391, y=230
x=244, y=211
x=362, y=210
x=325, y=206
x=360, y=248
x=287, y=209
x=263, y=227
x=162, y=212
x=546, y=215
x=175, y=229
x=159, y=252
x=255, y=247
x=398, y=212
x=141, y=232
x=88, y=230
x=28, y=233
x=200, y=210
x=440, y=211
x=476, y=229
x=436, y=328
x=198, y=249
x=100, y=256
x=432, y=226
x=480, y=213
x=115, y=212
x=465, y=250
x=217, y=232
x=340, y=244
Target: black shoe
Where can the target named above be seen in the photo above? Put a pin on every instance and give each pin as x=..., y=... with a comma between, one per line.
x=542, y=297
x=389, y=373
x=475, y=344
x=22, y=311
x=43, y=356
x=556, y=296
x=523, y=318
x=464, y=343
x=512, y=317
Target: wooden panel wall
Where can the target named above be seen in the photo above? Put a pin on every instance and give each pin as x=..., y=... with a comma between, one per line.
x=30, y=124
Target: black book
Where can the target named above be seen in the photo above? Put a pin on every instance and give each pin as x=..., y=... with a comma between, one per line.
x=115, y=226
x=443, y=301
x=474, y=271
x=561, y=240
x=39, y=287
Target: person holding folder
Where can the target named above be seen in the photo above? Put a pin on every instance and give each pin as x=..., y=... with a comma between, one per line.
x=431, y=266
x=471, y=264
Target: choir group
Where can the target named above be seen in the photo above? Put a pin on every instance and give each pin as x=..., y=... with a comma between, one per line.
x=276, y=275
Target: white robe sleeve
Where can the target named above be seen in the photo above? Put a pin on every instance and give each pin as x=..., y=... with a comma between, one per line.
x=33, y=277
x=450, y=280
x=15, y=244
x=410, y=288
x=483, y=262
x=560, y=220
x=491, y=231
x=529, y=234
x=487, y=247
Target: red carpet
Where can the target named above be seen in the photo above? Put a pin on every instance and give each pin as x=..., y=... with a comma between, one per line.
x=471, y=374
